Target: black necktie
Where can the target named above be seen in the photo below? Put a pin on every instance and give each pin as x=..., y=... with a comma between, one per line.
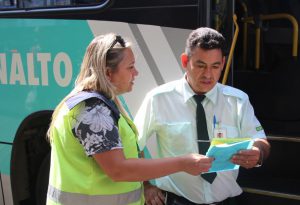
x=203, y=139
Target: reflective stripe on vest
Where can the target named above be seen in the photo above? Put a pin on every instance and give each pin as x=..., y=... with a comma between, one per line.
x=67, y=198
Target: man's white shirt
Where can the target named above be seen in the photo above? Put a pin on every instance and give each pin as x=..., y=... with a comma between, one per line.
x=169, y=112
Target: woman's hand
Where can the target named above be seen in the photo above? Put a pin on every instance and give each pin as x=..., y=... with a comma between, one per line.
x=195, y=164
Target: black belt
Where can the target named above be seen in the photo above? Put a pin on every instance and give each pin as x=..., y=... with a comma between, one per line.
x=173, y=199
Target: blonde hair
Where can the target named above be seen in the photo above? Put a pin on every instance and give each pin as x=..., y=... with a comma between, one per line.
x=103, y=53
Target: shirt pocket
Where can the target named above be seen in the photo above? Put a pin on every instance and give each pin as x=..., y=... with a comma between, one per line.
x=177, y=138
x=231, y=131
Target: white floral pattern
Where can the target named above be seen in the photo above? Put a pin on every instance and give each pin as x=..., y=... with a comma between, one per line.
x=99, y=113
x=95, y=128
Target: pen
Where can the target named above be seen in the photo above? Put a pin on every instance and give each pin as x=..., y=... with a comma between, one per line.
x=215, y=121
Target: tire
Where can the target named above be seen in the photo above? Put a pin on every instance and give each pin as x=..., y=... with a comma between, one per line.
x=42, y=181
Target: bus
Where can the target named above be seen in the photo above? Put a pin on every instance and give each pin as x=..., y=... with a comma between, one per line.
x=42, y=44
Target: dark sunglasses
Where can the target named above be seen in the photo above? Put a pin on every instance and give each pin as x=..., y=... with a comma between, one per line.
x=119, y=40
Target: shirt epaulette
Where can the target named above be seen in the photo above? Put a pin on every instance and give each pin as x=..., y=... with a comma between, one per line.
x=231, y=91
x=165, y=88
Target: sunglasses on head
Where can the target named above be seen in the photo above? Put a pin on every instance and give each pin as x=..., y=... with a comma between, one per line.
x=119, y=40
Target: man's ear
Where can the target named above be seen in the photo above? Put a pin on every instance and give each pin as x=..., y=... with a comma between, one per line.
x=184, y=60
x=223, y=62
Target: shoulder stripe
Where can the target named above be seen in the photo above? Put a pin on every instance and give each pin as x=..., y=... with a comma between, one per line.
x=83, y=95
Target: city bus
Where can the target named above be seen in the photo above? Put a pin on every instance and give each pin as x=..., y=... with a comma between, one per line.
x=42, y=44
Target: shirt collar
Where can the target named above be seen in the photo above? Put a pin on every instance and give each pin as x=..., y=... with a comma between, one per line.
x=186, y=91
x=213, y=94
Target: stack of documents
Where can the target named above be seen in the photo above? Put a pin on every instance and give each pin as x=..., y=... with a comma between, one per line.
x=223, y=149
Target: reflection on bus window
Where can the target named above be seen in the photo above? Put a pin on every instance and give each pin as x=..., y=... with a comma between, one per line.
x=8, y=3
x=13, y=4
x=44, y=3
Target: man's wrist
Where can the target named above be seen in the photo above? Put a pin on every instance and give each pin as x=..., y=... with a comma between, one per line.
x=261, y=158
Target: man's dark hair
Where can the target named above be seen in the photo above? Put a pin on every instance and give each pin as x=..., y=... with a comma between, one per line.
x=205, y=38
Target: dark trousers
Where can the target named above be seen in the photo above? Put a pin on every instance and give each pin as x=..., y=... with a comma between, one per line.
x=173, y=199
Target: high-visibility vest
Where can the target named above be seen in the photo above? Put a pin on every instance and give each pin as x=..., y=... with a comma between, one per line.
x=75, y=178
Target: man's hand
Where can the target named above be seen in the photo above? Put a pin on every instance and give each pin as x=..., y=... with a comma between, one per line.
x=153, y=195
x=247, y=158
x=250, y=158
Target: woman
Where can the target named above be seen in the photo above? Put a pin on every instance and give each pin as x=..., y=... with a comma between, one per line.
x=94, y=157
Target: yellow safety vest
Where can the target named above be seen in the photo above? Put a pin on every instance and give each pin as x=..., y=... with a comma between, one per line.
x=75, y=178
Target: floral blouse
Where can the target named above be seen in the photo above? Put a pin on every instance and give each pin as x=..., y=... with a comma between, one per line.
x=96, y=128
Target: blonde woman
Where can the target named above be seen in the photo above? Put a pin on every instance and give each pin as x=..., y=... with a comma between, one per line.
x=94, y=155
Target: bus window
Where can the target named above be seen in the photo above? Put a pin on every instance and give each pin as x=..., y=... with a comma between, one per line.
x=44, y=3
x=29, y=4
x=42, y=43
x=7, y=4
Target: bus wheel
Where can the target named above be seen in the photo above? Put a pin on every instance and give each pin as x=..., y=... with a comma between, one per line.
x=42, y=181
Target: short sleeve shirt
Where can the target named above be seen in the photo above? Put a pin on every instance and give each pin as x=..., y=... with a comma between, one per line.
x=169, y=113
x=95, y=128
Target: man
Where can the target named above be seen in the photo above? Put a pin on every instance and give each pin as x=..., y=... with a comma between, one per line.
x=169, y=111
